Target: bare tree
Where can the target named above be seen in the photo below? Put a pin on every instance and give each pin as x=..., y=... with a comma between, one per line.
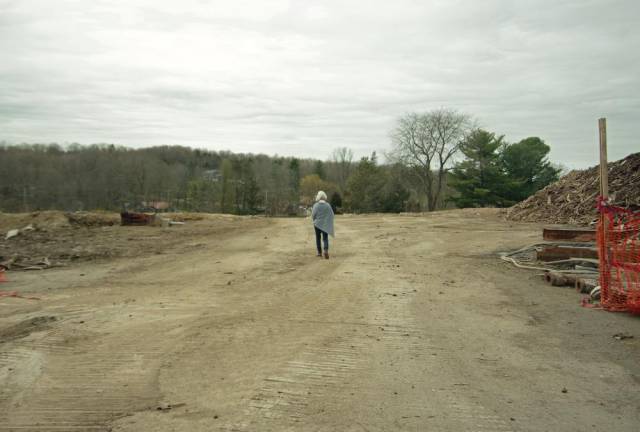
x=427, y=143
x=343, y=159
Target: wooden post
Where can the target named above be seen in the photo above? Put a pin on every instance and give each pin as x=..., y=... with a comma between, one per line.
x=604, y=221
x=604, y=171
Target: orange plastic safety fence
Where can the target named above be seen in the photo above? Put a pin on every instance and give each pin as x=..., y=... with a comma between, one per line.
x=619, y=254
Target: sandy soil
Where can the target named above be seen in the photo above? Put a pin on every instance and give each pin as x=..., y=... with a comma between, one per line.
x=235, y=325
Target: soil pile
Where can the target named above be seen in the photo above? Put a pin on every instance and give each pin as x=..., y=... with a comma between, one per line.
x=93, y=219
x=573, y=198
x=42, y=220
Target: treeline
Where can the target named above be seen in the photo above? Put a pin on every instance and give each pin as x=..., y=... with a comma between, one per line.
x=109, y=177
x=438, y=159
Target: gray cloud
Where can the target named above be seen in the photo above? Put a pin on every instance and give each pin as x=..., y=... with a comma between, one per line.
x=303, y=77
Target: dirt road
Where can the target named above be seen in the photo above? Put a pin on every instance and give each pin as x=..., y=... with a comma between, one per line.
x=412, y=325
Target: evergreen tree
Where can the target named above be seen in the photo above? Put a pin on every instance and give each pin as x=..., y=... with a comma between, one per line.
x=495, y=173
x=526, y=163
x=294, y=180
x=366, y=186
x=479, y=179
x=396, y=194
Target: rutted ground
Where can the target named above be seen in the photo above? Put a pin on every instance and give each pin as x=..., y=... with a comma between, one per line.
x=413, y=324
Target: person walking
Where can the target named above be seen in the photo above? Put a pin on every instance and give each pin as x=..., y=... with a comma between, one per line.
x=322, y=216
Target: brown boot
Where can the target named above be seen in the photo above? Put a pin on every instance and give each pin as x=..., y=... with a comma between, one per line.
x=326, y=255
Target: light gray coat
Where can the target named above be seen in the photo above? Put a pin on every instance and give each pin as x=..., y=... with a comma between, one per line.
x=322, y=216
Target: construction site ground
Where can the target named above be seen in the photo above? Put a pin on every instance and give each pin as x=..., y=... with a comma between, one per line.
x=233, y=324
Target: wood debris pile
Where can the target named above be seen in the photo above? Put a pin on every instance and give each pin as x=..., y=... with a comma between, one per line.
x=572, y=199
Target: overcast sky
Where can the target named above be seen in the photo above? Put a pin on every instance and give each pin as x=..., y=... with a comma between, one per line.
x=303, y=77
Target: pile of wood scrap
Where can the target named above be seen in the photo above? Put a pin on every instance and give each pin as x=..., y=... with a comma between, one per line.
x=573, y=198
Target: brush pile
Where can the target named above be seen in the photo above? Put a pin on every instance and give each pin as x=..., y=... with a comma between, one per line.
x=572, y=199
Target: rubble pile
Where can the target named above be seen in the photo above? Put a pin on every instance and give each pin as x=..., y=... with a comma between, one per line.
x=572, y=199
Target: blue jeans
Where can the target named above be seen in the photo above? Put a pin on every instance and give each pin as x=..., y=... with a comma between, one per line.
x=325, y=237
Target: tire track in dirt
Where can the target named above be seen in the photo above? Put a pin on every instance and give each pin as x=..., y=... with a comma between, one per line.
x=95, y=365
x=86, y=379
x=285, y=398
x=418, y=346
x=281, y=284
x=101, y=359
x=317, y=375
x=461, y=406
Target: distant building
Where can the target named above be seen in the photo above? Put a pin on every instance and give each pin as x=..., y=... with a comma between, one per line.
x=156, y=205
x=212, y=175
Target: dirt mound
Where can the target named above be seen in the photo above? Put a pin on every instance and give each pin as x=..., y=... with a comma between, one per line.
x=93, y=219
x=52, y=220
x=572, y=199
x=183, y=216
x=42, y=220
